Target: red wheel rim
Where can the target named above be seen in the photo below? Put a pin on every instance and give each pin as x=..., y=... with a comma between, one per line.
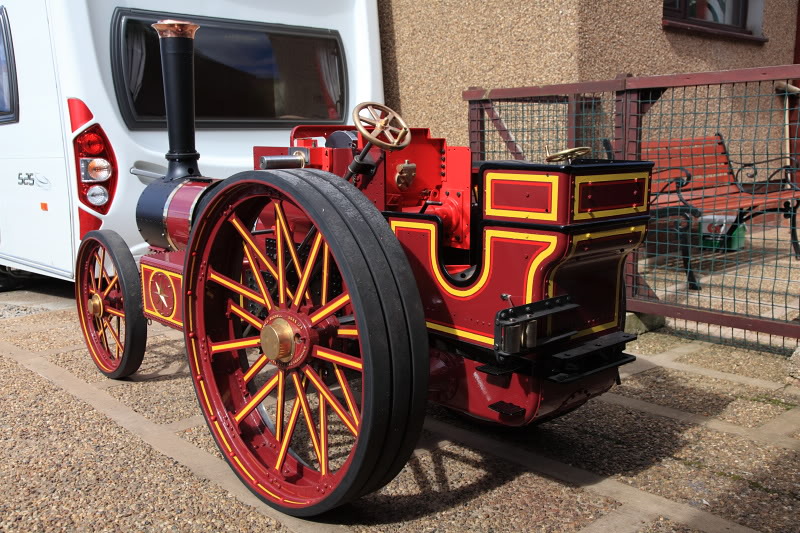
x=101, y=306
x=273, y=345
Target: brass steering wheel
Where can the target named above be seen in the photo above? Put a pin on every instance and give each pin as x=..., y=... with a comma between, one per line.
x=389, y=131
x=569, y=153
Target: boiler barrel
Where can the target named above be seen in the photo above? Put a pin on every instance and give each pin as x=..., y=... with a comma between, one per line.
x=165, y=210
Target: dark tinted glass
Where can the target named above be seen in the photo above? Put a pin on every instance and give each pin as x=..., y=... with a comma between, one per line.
x=7, y=81
x=242, y=73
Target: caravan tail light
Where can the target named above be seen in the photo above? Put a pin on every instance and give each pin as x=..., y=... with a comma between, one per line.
x=96, y=169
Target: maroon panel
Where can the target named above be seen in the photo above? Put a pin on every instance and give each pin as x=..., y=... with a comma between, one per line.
x=610, y=195
x=521, y=196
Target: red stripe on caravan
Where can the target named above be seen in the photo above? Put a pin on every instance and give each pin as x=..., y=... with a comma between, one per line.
x=79, y=114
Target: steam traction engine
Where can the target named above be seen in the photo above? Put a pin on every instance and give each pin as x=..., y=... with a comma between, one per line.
x=356, y=273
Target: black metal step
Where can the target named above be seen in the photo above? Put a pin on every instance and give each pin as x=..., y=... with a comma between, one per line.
x=507, y=409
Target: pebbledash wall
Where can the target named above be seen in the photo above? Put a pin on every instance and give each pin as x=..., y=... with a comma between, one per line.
x=433, y=50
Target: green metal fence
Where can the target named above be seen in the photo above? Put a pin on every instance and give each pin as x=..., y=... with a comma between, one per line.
x=721, y=253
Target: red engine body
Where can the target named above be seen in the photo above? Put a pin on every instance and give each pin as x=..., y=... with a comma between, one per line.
x=496, y=238
x=483, y=240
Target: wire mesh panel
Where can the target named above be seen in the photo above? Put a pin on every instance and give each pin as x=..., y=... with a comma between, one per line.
x=721, y=253
x=723, y=202
x=527, y=128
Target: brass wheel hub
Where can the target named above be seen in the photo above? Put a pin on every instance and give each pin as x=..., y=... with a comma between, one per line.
x=277, y=340
x=96, y=305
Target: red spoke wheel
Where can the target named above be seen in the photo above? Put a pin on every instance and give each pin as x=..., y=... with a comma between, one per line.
x=306, y=338
x=109, y=298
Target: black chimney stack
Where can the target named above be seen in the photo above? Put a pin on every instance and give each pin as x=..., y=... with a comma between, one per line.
x=177, y=67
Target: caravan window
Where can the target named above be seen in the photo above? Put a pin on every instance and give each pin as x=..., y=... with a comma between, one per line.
x=8, y=79
x=246, y=74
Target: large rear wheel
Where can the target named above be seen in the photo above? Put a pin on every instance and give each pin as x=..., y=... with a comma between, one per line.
x=304, y=341
x=109, y=298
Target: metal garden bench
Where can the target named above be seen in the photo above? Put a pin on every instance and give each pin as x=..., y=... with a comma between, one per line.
x=694, y=177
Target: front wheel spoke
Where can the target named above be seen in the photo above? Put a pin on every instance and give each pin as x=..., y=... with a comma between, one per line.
x=351, y=423
x=282, y=287
x=100, y=256
x=111, y=284
x=328, y=309
x=245, y=315
x=235, y=286
x=115, y=312
x=100, y=329
x=92, y=279
x=257, y=398
x=312, y=429
x=114, y=334
x=238, y=344
x=279, y=405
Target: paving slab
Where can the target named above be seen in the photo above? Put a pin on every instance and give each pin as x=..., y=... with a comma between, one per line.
x=737, y=403
x=750, y=363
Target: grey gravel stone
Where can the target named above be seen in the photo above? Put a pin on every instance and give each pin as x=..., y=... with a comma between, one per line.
x=67, y=468
x=750, y=363
x=14, y=311
x=664, y=525
x=655, y=342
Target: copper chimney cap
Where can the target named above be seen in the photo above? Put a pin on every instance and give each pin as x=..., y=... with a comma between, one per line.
x=175, y=28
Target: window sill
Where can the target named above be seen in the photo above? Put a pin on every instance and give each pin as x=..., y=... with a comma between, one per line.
x=698, y=29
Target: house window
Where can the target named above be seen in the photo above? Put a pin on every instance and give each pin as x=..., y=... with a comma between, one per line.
x=8, y=80
x=716, y=16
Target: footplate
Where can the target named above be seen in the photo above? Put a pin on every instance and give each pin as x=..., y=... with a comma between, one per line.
x=588, y=358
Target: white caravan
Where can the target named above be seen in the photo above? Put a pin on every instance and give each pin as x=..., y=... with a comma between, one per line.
x=82, y=126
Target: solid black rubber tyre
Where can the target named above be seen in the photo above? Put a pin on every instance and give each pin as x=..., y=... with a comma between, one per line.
x=395, y=262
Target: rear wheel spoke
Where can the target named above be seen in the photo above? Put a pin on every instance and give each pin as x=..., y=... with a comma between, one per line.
x=257, y=398
x=280, y=346
x=316, y=380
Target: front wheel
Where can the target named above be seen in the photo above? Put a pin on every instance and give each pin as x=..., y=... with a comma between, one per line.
x=304, y=347
x=109, y=297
